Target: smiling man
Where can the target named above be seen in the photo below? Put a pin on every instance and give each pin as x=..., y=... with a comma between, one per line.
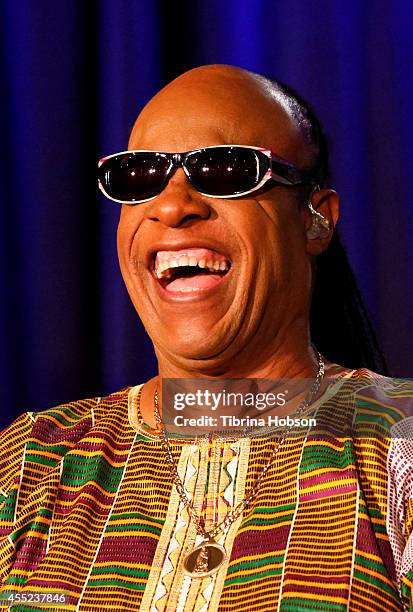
x=247, y=317
x=225, y=214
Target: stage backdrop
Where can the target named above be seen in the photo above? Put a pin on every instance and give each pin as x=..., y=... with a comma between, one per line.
x=74, y=76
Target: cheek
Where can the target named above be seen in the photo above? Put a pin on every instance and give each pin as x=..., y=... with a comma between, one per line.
x=265, y=236
x=279, y=242
x=122, y=231
x=128, y=226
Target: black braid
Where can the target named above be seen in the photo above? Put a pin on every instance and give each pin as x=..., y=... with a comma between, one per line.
x=339, y=324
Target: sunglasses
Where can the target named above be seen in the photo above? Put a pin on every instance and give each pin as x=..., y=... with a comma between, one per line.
x=223, y=171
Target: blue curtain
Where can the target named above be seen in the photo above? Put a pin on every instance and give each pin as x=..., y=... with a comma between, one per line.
x=74, y=76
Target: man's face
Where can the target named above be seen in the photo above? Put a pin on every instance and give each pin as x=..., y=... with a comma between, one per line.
x=259, y=239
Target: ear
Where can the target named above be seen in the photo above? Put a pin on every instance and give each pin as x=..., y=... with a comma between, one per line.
x=325, y=202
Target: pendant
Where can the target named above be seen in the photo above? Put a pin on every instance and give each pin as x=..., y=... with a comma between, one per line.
x=204, y=560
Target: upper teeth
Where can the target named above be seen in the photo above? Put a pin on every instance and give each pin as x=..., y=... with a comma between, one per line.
x=163, y=268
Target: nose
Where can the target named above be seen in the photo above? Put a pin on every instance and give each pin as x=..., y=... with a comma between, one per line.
x=179, y=204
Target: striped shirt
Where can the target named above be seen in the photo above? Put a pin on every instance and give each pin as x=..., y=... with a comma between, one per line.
x=88, y=508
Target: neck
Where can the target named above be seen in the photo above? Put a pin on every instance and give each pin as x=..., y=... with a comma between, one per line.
x=281, y=362
x=288, y=355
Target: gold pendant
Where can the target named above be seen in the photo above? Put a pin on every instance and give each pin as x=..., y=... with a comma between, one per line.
x=204, y=560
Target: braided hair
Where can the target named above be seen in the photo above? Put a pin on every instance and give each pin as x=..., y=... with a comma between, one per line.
x=339, y=323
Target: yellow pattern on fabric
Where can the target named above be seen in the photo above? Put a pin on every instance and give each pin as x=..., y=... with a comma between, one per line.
x=88, y=506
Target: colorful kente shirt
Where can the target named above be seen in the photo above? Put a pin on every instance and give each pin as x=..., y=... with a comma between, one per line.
x=88, y=508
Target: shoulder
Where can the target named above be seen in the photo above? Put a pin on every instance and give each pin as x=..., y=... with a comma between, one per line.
x=388, y=399
x=45, y=437
x=365, y=378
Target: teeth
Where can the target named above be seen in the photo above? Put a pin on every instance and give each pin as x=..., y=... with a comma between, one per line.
x=163, y=268
x=159, y=272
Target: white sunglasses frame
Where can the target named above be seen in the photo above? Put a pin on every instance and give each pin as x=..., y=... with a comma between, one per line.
x=270, y=174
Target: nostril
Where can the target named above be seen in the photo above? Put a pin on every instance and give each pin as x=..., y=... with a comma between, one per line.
x=186, y=221
x=174, y=209
x=175, y=219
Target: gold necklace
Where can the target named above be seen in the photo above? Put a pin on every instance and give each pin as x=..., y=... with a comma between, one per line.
x=207, y=558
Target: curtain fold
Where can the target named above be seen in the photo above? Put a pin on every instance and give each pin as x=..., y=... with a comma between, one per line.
x=74, y=76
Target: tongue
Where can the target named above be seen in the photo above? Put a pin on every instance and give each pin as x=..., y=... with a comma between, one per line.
x=190, y=283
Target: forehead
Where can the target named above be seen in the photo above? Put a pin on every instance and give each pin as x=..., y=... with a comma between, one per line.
x=209, y=109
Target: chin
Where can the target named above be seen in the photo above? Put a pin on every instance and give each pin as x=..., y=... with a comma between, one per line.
x=194, y=345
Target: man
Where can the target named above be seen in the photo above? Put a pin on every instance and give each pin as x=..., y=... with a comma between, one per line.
x=217, y=248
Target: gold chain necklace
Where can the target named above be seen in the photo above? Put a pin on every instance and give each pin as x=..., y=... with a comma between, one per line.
x=207, y=558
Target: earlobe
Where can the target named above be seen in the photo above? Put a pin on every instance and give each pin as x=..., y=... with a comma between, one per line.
x=323, y=205
x=320, y=225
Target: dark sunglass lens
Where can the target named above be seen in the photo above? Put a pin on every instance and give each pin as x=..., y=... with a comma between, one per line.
x=226, y=170
x=134, y=176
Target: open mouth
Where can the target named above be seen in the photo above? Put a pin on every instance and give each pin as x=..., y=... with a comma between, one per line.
x=190, y=270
